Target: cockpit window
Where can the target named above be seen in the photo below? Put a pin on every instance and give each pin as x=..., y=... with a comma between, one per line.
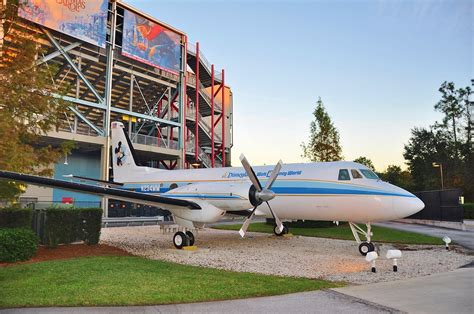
x=368, y=174
x=356, y=174
x=344, y=174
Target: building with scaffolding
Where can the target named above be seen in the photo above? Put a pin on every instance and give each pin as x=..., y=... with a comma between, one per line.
x=117, y=63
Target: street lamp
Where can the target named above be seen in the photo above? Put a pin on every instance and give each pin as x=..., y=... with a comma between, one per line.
x=440, y=166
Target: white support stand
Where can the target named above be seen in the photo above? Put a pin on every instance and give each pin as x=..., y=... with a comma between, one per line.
x=356, y=230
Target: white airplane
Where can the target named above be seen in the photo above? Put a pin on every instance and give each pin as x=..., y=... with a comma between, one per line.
x=328, y=191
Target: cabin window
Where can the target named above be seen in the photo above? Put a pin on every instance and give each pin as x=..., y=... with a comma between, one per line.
x=369, y=174
x=356, y=174
x=344, y=174
x=173, y=186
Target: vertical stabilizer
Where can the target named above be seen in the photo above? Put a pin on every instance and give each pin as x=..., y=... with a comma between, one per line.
x=124, y=161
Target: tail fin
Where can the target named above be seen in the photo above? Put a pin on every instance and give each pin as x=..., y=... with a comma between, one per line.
x=124, y=160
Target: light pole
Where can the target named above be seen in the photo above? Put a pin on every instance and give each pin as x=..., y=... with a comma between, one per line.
x=440, y=166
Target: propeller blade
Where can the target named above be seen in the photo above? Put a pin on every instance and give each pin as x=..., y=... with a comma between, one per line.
x=277, y=220
x=274, y=175
x=250, y=173
x=247, y=221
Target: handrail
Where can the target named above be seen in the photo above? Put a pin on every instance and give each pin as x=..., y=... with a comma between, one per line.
x=205, y=62
x=191, y=113
x=154, y=141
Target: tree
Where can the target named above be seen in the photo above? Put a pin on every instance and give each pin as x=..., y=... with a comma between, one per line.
x=452, y=108
x=449, y=143
x=395, y=175
x=28, y=108
x=324, y=138
x=366, y=162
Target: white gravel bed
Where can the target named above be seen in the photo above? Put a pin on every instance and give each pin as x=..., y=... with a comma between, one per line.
x=286, y=256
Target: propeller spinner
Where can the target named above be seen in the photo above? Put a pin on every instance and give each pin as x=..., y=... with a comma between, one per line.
x=261, y=195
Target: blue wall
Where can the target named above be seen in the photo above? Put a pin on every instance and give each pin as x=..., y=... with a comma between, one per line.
x=80, y=164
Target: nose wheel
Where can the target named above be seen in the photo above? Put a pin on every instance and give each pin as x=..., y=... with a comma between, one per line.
x=181, y=239
x=364, y=246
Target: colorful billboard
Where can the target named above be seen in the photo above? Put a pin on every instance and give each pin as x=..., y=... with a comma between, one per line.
x=82, y=19
x=151, y=43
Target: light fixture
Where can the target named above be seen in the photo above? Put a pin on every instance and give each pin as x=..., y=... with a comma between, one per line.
x=440, y=166
x=371, y=257
x=446, y=241
x=394, y=255
x=196, y=164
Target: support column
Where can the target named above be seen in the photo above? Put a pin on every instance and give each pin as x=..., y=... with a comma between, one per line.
x=213, y=154
x=182, y=103
x=223, y=119
x=196, y=105
x=108, y=99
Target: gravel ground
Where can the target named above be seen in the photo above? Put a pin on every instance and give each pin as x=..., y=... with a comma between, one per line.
x=286, y=256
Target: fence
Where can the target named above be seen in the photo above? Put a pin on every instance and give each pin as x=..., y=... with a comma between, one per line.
x=442, y=205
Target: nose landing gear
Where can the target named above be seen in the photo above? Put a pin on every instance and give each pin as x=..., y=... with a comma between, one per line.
x=364, y=246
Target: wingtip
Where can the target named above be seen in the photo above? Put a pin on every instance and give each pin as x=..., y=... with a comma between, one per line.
x=242, y=233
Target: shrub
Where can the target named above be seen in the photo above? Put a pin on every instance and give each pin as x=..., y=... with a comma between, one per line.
x=468, y=210
x=91, y=224
x=15, y=217
x=61, y=226
x=64, y=226
x=17, y=244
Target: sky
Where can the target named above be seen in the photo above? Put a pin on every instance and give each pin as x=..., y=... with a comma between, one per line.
x=377, y=66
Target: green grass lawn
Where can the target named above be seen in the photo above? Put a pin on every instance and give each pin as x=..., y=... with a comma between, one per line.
x=125, y=280
x=343, y=232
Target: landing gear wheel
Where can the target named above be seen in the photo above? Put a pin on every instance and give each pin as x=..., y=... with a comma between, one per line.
x=366, y=247
x=277, y=232
x=190, y=237
x=180, y=240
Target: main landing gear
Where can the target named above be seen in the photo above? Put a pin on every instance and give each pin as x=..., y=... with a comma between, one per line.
x=366, y=246
x=181, y=239
x=279, y=233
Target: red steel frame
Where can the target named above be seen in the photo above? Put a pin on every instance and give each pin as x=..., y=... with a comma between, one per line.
x=196, y=107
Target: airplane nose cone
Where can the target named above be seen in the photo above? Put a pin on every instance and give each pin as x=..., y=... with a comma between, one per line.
x=407, y=206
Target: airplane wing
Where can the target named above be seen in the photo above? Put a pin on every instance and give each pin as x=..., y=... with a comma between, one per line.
x=123, y=195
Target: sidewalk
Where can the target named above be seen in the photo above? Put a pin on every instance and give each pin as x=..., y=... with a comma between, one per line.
x=464, y=238
x=441, y=293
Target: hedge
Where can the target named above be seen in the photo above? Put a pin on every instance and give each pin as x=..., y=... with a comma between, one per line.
x=468, y=210
x=17, y=244
x=15, y=217
x=67, y=225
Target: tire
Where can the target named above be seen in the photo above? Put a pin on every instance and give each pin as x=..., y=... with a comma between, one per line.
x=365, y=248
x=278, y=233
x=190, y=236
x=180, y=240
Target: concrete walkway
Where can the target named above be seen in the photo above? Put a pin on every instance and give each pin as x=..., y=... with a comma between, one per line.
x=306, y=302
x=441, y=293
x=464, y=238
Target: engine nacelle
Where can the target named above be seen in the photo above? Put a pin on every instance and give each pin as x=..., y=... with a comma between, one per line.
x=227, y=196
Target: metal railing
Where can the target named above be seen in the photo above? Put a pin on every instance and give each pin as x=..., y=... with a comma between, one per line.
x=154, y=141
x=190, y=148
x=205, y=93
x=191, y=113
x=205, y=62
